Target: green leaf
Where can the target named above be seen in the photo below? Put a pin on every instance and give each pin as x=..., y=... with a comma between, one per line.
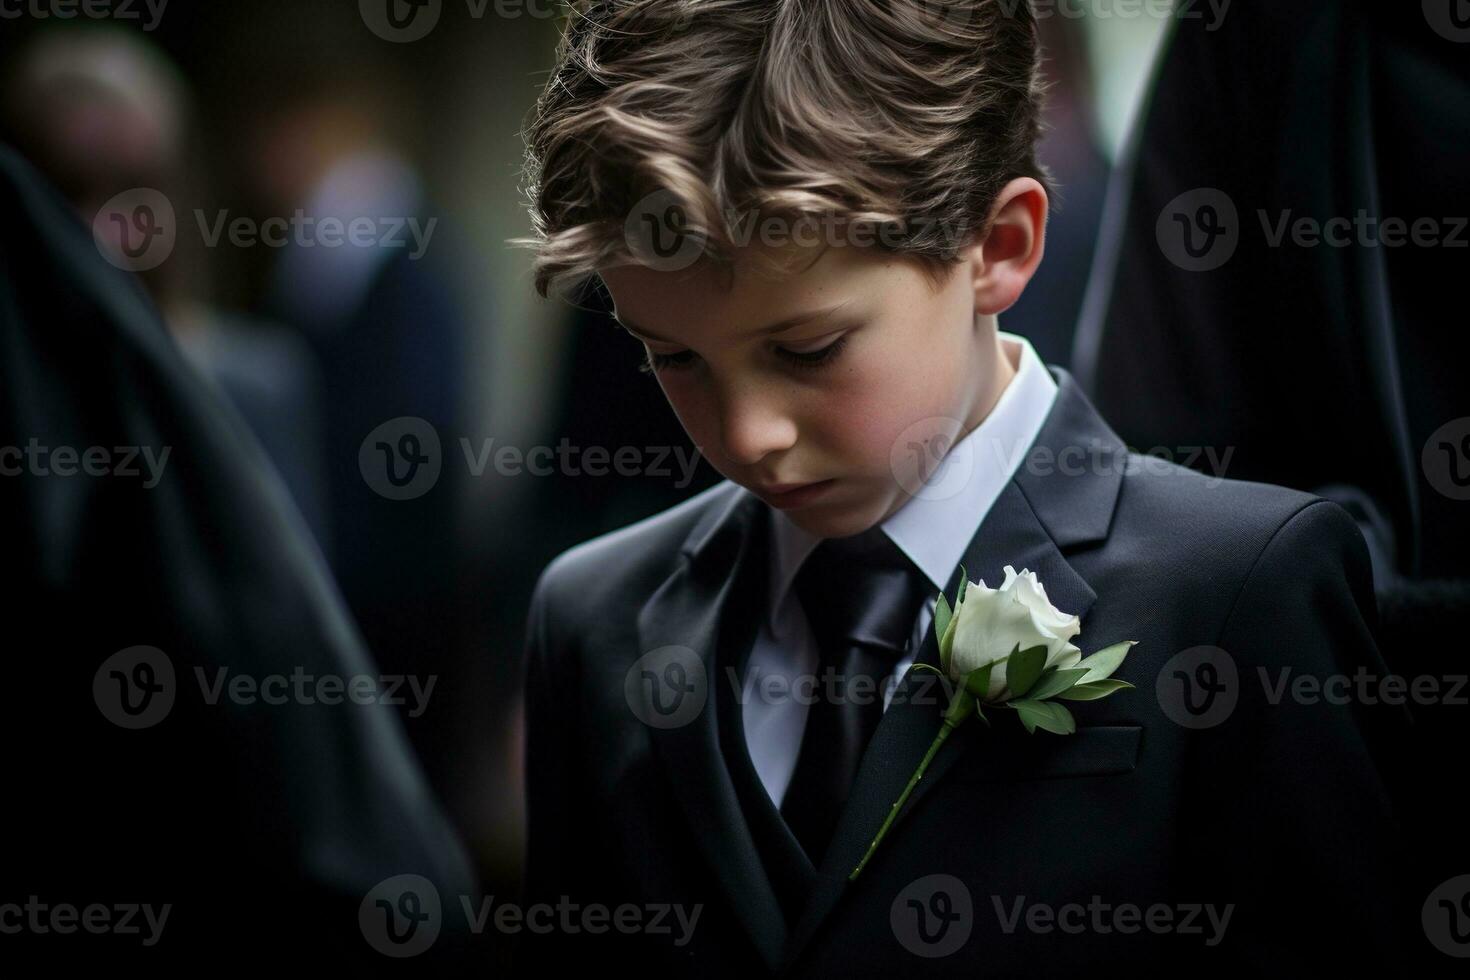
x=941, y=617
x=1102, y=663
x=977, y=682
x=1092, y=690
x=1046, y=715
x=946, y=643
x=1024, y=669
x=1054, y=681
x=1028, y=720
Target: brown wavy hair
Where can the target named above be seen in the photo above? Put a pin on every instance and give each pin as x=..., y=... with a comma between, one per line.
x=908, y=115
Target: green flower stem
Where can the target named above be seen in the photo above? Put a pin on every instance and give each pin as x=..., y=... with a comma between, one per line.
x=949, y=726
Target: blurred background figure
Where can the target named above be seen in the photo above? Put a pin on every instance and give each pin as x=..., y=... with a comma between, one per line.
x=1046, y=314
x=102, y=111
x=316, y=341
x=1330, y=361
x=386, y=332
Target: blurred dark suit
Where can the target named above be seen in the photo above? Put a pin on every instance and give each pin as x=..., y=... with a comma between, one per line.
x=1322, y=365
x=1328, y=368
x=264, y=826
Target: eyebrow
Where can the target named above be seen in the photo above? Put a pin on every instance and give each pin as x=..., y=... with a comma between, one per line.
x=777, y=327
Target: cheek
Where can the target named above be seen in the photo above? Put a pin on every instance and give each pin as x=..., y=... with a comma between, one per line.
x=693, y=409
x=880, y=406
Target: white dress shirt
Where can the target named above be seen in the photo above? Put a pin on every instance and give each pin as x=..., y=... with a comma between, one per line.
x=933, y=530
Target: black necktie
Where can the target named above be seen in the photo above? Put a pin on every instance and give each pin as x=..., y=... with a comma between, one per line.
x=861, y=595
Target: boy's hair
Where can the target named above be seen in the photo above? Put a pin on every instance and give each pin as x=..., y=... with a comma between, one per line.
x=907, y=116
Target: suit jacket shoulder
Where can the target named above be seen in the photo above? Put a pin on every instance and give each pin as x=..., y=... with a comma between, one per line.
x=1223, y=538
x=614, y=572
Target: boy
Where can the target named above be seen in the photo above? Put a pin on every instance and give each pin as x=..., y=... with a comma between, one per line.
x=696, y=803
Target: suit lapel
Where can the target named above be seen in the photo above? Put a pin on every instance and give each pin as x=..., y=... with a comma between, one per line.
x=718, y=580
x=1047, y=506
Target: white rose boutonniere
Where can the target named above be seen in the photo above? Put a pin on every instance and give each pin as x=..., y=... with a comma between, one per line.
x=1010, y=647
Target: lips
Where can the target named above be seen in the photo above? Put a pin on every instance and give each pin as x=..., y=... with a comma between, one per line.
x=793, y=494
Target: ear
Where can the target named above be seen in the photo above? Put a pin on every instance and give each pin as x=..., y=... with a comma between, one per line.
x=1003, y=262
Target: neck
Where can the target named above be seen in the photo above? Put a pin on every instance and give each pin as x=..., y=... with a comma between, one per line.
x=992, y=380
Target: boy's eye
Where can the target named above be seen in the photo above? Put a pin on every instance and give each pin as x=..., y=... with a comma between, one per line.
x=803, y=359
x=657, y=362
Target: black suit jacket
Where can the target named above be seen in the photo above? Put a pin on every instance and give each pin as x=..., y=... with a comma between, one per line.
x=1279, y=810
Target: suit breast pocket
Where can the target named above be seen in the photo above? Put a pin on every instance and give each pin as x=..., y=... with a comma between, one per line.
x=1094, y=750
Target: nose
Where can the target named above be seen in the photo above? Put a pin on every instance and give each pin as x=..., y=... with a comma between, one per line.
x=754, y=421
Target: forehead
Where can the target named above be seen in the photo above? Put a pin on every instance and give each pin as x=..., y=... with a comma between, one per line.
x=755, y=289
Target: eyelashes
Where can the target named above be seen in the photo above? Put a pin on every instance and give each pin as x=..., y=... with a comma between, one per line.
x=806, y=360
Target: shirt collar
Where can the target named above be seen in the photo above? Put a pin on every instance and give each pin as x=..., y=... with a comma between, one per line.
x=934, y=529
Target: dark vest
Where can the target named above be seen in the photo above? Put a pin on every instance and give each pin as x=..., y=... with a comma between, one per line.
x=786, y=863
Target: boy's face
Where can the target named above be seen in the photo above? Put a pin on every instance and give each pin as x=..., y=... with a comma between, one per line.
x=914, y=366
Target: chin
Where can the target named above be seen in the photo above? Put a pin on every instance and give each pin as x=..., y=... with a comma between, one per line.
x=836, y=520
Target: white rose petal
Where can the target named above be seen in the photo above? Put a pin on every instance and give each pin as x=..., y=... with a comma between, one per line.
x=992, y=622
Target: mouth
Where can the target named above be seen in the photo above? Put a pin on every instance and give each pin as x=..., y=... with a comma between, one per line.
x=785, y=495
